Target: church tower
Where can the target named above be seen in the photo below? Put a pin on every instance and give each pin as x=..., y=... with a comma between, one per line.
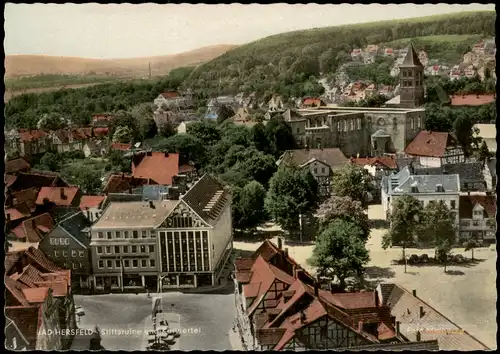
x=411, y=80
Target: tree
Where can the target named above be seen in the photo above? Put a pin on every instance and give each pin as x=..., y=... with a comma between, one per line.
x=52, y=121
x=50, y=162
x=248, y=206
x=347, y=209
x=224, y=112
x=437, y=224
x=463, y=129
x=340, y=251
x=354, y=182
x=189, y=148
x=443, y=251
x=88, y=179
x=204, y=130
x=166, y=129
x=292, y=191
x=470, y=244
x=117, y=162
x=483, y=154
x=122, y=135
x=280, y=136
x=404, y=220
x=260, y=138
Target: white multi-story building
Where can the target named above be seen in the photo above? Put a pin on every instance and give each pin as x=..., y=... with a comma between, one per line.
x=168, y=243
x=425, y=188
x=477, y=218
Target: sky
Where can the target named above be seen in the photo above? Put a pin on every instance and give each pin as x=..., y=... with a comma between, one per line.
x=129, y=31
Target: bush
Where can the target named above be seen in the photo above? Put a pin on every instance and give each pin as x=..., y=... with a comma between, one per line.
x=414, y=259
x=424, y=258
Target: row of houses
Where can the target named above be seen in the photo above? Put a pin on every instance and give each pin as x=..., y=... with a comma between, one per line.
x=280, y=306
x=39, y=306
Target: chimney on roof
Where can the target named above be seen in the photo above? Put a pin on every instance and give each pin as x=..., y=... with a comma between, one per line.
x=88, y=213
x=316, y=289
x=166, y=154
x=8, y=217
x=63, y=196
x=414, y=293
x=280, y=243
x=398, y=328
x=419, y=337
x=422, y=312
x=149, y=153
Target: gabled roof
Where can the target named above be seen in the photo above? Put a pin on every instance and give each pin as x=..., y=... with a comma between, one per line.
x=36, y=179
x=74, y=226
x=39, y=258
x=16, y=289
x=333, y=157
x=403, y=182
x=18, y=211
x=9, y=180
x=91, y=201
x=406, y=308
x=29, y=276
x=16, y=165
x=158, y=166
x=170, y=94
x=472, y=100
x=386, y=161
x=467, y=203
x=61, y=196
x=33, y=229
x=123, y=183
x=31, y=135
x=207, y=198
x=430, y=144
x=411, y=59
x=27, y=197
x=100, y=132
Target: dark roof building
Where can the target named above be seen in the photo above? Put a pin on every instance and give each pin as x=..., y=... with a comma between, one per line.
x=333, y=157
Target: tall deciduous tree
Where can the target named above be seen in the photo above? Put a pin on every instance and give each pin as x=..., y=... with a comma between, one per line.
x=280, y=136
x=340, y=251
x=354, y=182
x=344, y=208
x=292, y=192
x=248, y=206
x=437, y=225
x=407, y=213
x=122, y=135
x=189, y=148
x=204, y=130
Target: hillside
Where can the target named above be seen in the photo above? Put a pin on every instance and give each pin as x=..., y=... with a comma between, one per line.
x=29, y=65
x=285, y=62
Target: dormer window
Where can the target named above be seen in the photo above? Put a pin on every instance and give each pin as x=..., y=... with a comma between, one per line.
x=439, y=188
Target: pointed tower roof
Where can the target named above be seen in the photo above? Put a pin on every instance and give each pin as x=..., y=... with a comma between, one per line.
x=411, y=58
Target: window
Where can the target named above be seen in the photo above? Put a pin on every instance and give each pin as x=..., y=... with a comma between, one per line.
x=351, y=122
x=73, y=253
x=109, y=235
x=475, y=223
x=117, y=249
x=152, y=263
x=125, y=234
x=465, y=223
x=108, y=249
x=412, y=123
x=298, y=130
x=419, y=122
x=359, y=123
x=144, y=234
x=109, y=263
x=56, y=253
x=135, y=263
x=125, y=249
x=99, y=250
x=100, y=235
x=322, y=170
x=338, y=126
x=101, y=264
x=73, y=265
x=134, y=249
x=153, y=233
x=126, y=263
x=117, y=234
x=117, y=264
x=151, y=249
x=143, y=249
x=136, y=234
x=315, y=170
x=51, y=242
x=144, y=264
x=453, y=204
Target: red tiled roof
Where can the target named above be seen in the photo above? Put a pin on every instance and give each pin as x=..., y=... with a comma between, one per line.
x=16, y=289
x=17, y=212
x=472, y=100
x=158, y=166
x=16, y=165
x=242, y=264
x=123, y=183
x=31, y=135
x=387, y=161
x=312, y=102
x=27, y=197
x=431, y=144
x=99, y=132
x=35, y=295
x=251, y=290
x=467, y=203
x=121, y=146
x=91, y=201
x=170, y=94
x=33, y=230
x=61, y=196
x=265, y=274
x=29, y=277
x=38, y=257
x=356, y=300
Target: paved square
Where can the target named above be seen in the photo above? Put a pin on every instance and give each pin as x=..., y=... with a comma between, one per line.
x=205, y=319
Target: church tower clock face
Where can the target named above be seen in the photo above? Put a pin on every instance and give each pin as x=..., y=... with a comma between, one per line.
x=381, y=121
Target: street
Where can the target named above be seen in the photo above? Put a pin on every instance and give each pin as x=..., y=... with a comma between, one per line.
x=124, y=319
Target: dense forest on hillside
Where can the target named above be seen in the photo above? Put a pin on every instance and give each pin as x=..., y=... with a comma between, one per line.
x=288, y=63
x=25, y=111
